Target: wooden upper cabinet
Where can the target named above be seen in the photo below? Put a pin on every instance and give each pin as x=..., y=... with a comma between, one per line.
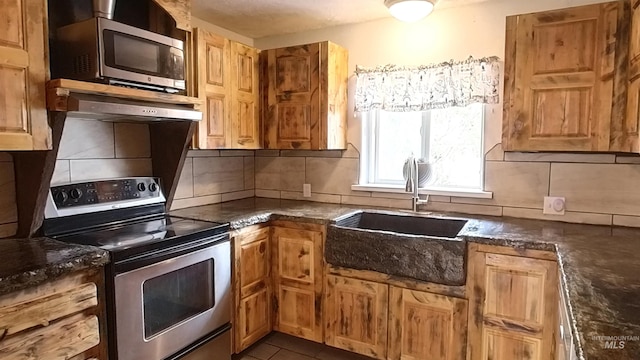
x=213, y=77
x=628, y=133
x=245, y=97
x=305, y=97
x=226, y=74
x=515, y=307
x=23, y=72
x=565, y=80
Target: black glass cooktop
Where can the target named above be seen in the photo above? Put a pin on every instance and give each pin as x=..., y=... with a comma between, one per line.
x=149, y=234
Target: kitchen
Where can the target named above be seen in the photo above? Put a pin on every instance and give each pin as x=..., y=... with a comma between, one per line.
x=598, y=186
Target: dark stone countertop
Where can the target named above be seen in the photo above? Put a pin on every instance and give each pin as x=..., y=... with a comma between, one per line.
x=29, y=262
x=252, y=211
x=600, y=264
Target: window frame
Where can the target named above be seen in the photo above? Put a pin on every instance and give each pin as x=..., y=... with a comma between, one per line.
x=369, y=179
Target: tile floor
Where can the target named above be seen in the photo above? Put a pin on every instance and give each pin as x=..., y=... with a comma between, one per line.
x=278, y=346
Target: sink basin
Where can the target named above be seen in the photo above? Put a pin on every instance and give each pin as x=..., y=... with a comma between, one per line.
x=404, y=224
x=417, y=247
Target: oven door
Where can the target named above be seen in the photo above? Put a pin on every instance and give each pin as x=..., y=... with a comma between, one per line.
x=163, y=307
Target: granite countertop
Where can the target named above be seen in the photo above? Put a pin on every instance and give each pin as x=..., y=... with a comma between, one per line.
x=30, y=262
x=600, y=264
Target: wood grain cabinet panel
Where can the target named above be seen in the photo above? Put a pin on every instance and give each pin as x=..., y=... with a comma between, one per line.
x=426, y=326
x=565, y=80
x=23, y=73
x=245, y=97
x=57, y=320
x=515, y=307
x=252, y=287
x=305, y=97
x=213, y=78
x=297, y=269
x=227, y=80
x=356, y=316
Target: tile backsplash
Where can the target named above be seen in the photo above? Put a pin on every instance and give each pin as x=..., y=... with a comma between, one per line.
x=599, y=188
x=212, y=176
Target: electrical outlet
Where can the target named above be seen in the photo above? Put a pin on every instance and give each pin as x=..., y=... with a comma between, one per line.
x=553, y=205
x=306, y=190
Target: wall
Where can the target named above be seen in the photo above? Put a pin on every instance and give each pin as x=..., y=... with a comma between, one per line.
x=599, y=188
x=212, y=176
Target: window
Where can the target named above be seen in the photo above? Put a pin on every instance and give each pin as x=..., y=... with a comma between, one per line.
x=450, y=139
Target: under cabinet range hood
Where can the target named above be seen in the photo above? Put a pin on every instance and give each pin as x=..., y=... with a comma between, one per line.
x=108, y=108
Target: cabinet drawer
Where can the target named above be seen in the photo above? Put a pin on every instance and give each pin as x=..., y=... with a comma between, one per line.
x=59, y=341
x=41, y=309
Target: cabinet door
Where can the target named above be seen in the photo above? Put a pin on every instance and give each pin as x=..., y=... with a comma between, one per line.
x=426, y=326
x=23, y=73
x=356, y=313
x=298, y=282
x=633, y=103
x=292, y=111
x=253, y=288
x=214, y=83
x=245, y=122
x=515, y=307
x=563, y=85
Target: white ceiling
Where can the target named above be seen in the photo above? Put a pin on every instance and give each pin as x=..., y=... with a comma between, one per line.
x=261, y=18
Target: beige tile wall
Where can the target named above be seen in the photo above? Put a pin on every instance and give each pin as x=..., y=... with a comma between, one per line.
x=599, y=188
x=212, y=176
x=92, y=149
x=281, y=174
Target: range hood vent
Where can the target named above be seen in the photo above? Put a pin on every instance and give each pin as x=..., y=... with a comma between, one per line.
x=108, y=108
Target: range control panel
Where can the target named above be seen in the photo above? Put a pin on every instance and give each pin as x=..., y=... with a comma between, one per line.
x=105, y=191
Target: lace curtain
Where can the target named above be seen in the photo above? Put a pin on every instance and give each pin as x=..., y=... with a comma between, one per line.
x=393, y=88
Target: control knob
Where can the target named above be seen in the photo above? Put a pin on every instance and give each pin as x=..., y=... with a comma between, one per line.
x=75, y=193
x=61, y=197
x=153, y=187
x=142, y=187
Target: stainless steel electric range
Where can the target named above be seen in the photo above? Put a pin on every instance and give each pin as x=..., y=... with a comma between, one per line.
x=168, y=284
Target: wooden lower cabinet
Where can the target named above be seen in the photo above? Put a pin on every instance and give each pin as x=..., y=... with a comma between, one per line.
x=58, y=320
x=356, y=316
x=426, y=326
x=252, y=287
x=298, y=279
x=515, y=307
x=390, y=322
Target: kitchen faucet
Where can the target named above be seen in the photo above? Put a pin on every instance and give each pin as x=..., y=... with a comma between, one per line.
x=413, y=183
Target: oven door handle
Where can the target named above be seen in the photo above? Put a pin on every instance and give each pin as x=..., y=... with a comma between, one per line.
x=152, y=257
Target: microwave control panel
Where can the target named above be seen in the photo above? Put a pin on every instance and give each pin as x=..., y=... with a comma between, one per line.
x=105, y=191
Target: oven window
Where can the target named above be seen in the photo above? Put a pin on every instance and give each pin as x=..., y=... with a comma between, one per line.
x=174, y=297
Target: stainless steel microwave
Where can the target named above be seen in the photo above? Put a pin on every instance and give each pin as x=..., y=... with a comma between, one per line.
x=104, y=50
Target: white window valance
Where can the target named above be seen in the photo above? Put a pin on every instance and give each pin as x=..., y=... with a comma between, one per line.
x=393, y=88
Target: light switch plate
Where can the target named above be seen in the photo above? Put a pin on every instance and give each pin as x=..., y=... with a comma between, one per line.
x=553, y=205
x=306, y=190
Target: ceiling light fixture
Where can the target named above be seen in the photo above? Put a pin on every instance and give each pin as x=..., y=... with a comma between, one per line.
x=410, y=10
